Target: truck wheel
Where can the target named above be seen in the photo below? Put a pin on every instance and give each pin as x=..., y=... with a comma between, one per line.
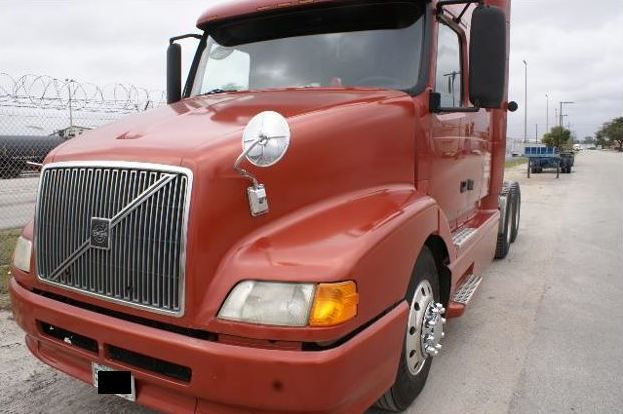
x=516, y=215
x=504, y=240
x=424, y=331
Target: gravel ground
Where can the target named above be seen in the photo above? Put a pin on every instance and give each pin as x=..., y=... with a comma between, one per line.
x=542, y=335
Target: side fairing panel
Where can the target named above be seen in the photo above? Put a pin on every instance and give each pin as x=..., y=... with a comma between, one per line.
x=372, y=237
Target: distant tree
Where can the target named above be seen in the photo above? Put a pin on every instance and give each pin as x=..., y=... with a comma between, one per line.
x=589, y=140
x=558, y=137
x=600, y=139
x=611, y=134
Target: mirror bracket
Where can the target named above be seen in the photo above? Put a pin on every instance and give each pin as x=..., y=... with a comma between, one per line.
x=467, y=3
x=256, y=193
x=184, y=36
x=434, y=103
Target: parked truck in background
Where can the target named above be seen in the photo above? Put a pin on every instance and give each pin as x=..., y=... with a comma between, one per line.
x=310, y=270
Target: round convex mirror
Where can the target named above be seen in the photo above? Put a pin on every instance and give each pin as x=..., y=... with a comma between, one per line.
x=266, y=139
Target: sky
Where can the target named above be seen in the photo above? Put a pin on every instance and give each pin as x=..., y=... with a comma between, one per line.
x=573, y=49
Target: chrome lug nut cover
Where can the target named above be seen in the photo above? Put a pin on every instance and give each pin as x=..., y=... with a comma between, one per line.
x=424, y=329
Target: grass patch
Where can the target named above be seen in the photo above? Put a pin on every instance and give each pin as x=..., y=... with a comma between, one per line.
x=7, y=244
x=515, y=162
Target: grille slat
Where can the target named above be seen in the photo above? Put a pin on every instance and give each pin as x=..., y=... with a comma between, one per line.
x=144, y=207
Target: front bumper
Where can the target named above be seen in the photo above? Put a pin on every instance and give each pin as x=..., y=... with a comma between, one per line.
x=225, y=378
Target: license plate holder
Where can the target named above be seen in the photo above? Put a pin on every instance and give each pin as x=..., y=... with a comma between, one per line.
x=111, y=381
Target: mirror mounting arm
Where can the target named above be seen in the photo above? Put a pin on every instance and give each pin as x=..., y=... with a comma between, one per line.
x=467, y=3
x=256, y=194
x=436, y=108
x=185, y=36
x=444, y=3
x=241, y=171
x=469, y=109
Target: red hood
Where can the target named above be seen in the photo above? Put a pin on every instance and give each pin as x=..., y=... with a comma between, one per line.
x=343, y=142
x=170, y=133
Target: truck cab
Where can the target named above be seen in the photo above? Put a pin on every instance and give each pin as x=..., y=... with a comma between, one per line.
x=289, y=233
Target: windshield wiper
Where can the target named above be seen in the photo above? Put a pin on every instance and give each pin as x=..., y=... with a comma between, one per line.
x=218, y=90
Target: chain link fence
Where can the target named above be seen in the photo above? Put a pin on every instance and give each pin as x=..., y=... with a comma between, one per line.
x=38, y=113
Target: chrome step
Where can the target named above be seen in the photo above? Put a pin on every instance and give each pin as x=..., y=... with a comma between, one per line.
x=460, y=237
x=464, y=294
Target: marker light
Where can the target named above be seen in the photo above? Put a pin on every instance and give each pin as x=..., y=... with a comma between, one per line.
x=21, y=257
x=334, y=303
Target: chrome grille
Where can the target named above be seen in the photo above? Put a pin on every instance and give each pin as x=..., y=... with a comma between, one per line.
x=116, y=231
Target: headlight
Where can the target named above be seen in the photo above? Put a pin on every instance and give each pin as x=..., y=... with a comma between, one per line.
x=21, y=257
x=291, y=304
x=267, y=303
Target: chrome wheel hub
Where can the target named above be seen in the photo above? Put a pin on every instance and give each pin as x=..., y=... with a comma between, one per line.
x=424, y=328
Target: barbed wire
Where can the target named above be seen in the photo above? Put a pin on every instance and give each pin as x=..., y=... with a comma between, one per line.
x=47, y=92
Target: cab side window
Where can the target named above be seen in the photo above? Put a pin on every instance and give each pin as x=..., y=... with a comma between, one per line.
x=449, y=79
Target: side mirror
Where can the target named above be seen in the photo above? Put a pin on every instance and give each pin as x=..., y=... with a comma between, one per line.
x=488, y=57
x=174, y=73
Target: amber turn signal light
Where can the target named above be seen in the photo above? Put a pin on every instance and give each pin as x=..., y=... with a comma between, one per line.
x=334, y=303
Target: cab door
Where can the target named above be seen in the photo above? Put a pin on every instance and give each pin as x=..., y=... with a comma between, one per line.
x=449, y=165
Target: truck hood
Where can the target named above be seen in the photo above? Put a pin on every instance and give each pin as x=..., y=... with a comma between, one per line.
x=344, y=142
x=168, y=134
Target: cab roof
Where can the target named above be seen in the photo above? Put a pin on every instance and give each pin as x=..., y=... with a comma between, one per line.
x=235, y=8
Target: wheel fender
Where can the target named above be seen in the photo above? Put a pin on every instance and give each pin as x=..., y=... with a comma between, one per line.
x=371, y=237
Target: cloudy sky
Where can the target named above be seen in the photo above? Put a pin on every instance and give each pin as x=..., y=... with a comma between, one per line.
x=574, y=50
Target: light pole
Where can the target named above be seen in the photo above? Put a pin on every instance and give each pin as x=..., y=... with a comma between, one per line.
x=525, y=123
x=561, y=113
x=547, y=113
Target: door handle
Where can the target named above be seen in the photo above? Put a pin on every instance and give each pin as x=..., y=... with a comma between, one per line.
x=467, y=185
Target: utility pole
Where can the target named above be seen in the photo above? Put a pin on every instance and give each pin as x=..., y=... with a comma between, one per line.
x=561, y=113
x=547, y=113
x=525, y=124
x=536, y=135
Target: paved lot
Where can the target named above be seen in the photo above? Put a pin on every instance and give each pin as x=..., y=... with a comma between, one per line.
x=17, y=200
x=543, y=334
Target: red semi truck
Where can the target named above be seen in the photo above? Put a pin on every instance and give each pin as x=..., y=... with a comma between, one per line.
x=289, y=232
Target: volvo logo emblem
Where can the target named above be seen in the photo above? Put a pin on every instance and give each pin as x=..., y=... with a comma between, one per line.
x=100, y=233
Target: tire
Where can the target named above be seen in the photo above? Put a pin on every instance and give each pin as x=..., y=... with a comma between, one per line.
x=408, y=386
x=516, y=214
x=504, y=240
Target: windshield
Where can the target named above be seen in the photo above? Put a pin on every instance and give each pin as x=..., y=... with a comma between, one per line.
x=375, y=46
